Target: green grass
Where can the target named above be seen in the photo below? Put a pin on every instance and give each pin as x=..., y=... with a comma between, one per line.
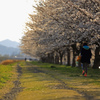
x=8, y=74
x=44, y=84
x=93, y=74
x=47, y=83
x=71, y=71
x=5, y=74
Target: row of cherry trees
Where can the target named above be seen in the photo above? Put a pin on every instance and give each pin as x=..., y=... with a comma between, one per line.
x=58, y=28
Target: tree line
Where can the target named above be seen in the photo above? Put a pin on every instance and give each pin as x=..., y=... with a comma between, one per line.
x=57, y=29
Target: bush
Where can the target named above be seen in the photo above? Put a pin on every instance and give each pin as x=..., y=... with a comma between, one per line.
x=6, y=62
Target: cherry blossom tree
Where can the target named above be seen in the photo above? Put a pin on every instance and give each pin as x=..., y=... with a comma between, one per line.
x=62, y=23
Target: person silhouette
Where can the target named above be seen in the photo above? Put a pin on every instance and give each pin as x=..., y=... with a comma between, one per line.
x=85, y=57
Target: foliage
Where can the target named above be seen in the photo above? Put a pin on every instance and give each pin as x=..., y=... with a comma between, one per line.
x=59, y=23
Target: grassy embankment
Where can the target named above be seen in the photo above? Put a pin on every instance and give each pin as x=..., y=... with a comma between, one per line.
x=41, y=82
x=7, y=75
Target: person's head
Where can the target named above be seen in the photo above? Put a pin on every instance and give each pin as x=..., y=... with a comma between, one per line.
x=85, y=44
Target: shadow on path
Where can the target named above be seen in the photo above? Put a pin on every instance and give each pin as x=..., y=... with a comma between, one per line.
x=63, y=85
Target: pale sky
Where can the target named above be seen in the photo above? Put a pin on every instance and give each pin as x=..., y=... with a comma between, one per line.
x=13, y=15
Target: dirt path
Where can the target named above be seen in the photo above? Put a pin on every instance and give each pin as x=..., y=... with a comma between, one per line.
x=19, y=93
x=16, y=89
x=62, y=85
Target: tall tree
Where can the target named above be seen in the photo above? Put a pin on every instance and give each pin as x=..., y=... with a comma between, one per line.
x=59, y=23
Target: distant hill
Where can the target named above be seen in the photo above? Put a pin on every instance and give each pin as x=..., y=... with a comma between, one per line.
x=8, y=50
x=9, y=43
x=8, y=47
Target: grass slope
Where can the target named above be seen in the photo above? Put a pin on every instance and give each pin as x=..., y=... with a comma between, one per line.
x=8, y=74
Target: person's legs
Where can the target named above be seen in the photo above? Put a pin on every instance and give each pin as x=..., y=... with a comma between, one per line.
x=85, y=66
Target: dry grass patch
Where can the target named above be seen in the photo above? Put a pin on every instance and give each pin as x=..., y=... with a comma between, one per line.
x=7, y=62
x=50, y=94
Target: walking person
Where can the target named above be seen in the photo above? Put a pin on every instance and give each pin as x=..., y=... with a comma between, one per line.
x=25, y=59
x=85, y=57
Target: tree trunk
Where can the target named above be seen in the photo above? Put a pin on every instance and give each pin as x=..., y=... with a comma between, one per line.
x=97, y=58
x=73, y=63
x=50, y=58
x=56, y=59
x=61, y=53
x=61, y=56
x=68, y=57
x=43, y=59
x=74, y=50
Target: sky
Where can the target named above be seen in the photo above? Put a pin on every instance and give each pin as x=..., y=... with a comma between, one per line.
x=13, y=16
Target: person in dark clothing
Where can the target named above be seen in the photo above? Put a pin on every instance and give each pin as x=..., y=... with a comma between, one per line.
x=25, y=59
x=85, y=58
